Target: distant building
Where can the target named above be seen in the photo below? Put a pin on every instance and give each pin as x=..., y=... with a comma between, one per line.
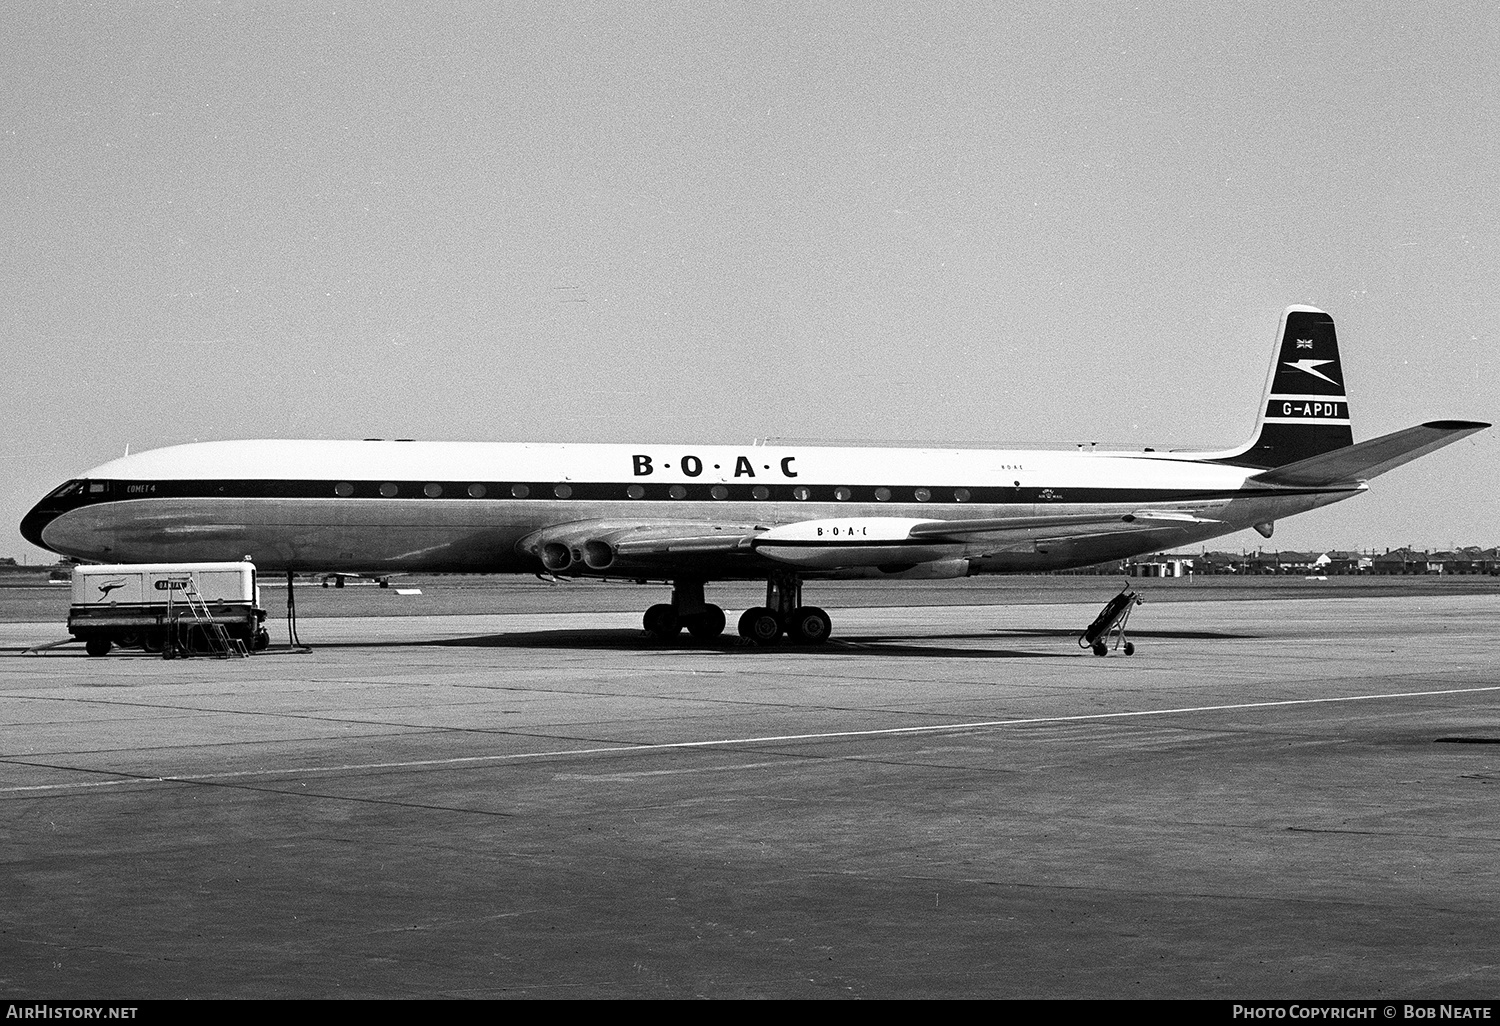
x=1467, y=560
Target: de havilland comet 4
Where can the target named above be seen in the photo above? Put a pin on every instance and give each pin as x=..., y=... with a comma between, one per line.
x=695, y=514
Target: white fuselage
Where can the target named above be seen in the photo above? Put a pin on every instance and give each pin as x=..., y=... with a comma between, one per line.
x=389, y=506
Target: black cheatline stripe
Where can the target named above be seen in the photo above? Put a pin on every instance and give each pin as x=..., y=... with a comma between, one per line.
x=621, y=491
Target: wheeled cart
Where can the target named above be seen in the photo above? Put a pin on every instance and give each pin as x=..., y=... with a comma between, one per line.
x=1111, y=620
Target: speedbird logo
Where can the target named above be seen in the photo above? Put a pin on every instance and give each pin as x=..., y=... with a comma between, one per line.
x=1311, y=367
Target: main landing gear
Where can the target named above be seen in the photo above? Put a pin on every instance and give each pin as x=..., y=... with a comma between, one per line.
x=687, y=609
x=783, y=613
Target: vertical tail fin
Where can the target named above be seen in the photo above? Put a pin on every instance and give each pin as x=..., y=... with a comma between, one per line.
x=1306, y=409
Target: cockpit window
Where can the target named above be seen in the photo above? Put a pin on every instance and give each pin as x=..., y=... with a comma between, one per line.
x=71, y=488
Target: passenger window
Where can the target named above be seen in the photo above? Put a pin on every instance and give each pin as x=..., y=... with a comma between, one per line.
x=343, y=489
x=388, y=490
x=432, y=491
x=476, y=491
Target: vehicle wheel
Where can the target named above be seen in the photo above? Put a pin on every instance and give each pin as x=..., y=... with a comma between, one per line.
x=760, y=625
x=97, y=646
x=661, y=622
x=810, y=625
x=1130, y=648
x=153, y=641
x=130, y=639
x=1100, y=648
x=707, y=624
x=261, y=641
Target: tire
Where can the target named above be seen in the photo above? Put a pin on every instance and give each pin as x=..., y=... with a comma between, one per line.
x=810, y=625
x=96, y=646
x=1100, y=648
x=707, y=624
x=661, y=622
x=261, y=641
x=760, y=625
x=1130, y=648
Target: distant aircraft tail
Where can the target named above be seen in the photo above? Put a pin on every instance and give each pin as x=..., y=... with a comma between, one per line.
x=1306, y=411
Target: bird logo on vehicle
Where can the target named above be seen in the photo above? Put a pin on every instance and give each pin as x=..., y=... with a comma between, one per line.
x=109, y=586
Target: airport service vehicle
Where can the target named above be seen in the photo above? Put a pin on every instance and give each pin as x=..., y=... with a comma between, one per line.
x=155, y=605
x=693, y=514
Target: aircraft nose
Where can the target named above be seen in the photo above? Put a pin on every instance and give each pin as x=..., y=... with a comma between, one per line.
x=35, y=522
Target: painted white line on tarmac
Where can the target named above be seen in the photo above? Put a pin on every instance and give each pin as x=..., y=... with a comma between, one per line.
x=931, y=728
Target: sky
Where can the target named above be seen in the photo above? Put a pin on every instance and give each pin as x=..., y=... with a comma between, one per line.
x=1031, y=224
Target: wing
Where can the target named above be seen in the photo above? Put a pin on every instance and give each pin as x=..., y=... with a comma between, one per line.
x=880, y=541
x=623, y=548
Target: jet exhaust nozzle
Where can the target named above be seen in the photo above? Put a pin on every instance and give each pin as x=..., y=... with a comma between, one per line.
x=556, y=556
x=598, y=555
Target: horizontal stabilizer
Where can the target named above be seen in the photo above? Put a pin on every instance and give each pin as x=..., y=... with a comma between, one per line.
x=1365, y=460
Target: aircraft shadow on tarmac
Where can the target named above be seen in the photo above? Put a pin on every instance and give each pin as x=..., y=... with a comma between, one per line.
x=636, y=641
x=926, y=645
x=633, y=640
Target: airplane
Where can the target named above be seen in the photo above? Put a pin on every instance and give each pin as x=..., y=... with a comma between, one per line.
x=689, y=515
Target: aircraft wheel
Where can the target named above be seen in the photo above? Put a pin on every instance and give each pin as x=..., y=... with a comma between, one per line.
x=96, y=646
x=1130, y=648
x=810, y=625
x=707, y=624
x=760, y=625
x=1100, y=648
x=661, y=622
